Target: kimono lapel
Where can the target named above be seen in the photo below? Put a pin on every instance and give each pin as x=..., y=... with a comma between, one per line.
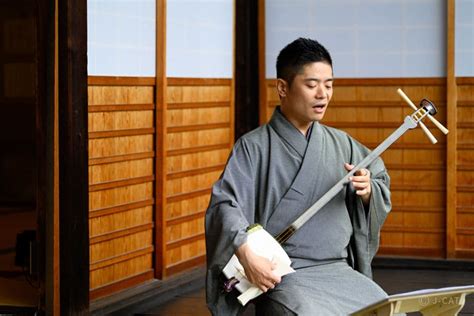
x=300, y=194
x=288, y=133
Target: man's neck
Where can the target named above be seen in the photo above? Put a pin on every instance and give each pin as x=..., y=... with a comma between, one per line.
x=303, y=128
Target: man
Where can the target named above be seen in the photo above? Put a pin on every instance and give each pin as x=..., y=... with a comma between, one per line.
x=275, y=173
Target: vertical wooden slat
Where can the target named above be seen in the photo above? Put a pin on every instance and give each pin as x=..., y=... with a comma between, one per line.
x=451, y=98
x=263, y=108
x=160, y=139
x=232, y=85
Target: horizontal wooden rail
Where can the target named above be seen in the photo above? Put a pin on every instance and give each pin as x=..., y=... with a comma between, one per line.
x=120, y=208
x=465, y=146
x=423, y=166
x=121, y=158
x=411, y=251
x=185, y=218
x=465, y=188
x=120, y=183
x=465, y=209
x=417, y=209
x=187, y=195
x=184, y=241
x=198, y=81
x=197, y=105
x=121, y=133
x=194, y=172
x=186, y=264
x=465, y=124
x=198, y=149
x=197, y=127
x=465, y=167
x=465, y=81
x=412, y=229
x=120, y=233
x=121, y=258
x=120, y=107
x=417, y=188
x=465, y=231
x=464, y=103
x=120, y=81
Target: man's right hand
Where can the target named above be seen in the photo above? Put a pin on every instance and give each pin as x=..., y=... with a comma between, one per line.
x=258, y=269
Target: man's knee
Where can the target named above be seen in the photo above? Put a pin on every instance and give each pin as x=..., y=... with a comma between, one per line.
x=270, y=307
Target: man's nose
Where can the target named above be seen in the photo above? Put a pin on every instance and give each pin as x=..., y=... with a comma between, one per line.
x=320, y=92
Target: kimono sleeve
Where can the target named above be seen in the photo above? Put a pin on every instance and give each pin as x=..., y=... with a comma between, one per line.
x=367, y=222
x=231, y=210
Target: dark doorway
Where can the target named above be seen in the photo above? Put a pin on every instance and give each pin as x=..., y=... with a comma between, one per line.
x=22, y=100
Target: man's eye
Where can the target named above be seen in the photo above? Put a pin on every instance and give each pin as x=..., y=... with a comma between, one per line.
x=311, y=86
x=329, y=87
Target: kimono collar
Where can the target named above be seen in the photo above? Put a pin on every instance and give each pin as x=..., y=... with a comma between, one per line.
x=290, y=133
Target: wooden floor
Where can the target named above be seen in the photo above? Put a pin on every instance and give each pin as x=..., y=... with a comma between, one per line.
x=392, y=280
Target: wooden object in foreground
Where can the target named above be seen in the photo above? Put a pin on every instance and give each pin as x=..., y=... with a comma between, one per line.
x=445, y=301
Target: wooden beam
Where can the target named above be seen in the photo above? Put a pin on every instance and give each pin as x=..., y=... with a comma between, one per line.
x=73, y=154
x=246, y=67
x=160, y=140
x=451, y=167
x=262, y=87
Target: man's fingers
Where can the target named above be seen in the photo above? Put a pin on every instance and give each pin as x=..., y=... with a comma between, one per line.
x=266, y=285
x=362, y=172
x=348, y=166
x=360, y=184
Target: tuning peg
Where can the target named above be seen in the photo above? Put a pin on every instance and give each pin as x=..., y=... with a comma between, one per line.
x=435, y=121
x=422, y=125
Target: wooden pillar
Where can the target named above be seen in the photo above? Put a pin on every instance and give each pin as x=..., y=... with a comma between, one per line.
x=451, y=113
x=247, y=72
x=73, y=156
x=160, y=140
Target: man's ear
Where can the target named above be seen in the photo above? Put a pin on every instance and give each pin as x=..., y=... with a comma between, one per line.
x=282, y=87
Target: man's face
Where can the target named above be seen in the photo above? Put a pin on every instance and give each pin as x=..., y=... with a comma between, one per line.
x=308, y=96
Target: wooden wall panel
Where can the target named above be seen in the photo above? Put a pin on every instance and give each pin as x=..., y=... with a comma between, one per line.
x=199, y=137
x=120, y=170
x=464, y=239
x=99, y=225
x=122, y=173
x=120, y=271
x=370, y=110
x=121, y=182
x=190, y=162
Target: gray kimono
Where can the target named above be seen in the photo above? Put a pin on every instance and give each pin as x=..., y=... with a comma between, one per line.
x=275, y=173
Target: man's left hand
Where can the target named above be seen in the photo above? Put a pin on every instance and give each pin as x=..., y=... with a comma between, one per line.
x=361, y=182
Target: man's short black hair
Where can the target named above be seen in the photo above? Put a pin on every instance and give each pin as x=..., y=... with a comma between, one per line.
x=297, y=54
